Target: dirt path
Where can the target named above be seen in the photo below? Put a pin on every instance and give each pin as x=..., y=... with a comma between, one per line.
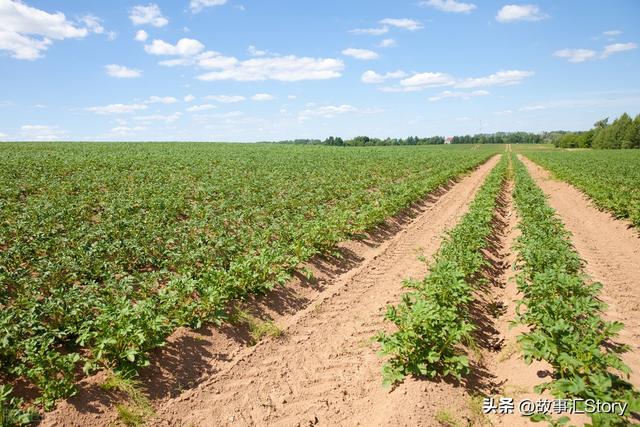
x=611, y=251
x=324, y=370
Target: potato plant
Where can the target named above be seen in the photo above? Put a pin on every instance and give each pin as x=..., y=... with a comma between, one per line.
x=432, y=319
x=105, y=249
x=564, y=313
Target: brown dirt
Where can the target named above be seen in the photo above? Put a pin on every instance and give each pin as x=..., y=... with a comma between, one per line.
x=611, y=249
x=324, y=365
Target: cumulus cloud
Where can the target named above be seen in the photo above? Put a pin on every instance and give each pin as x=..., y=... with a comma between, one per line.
x=116, y=108
x=370, y=31
x=93, y=23
x=520, y=12
x=127, y=130
x=42, y=132
x=501, y=78
x=184, y=47
x=420, y=81
x=189, y=98
x=328, y=111
x=575, y=55
x=612, y=33
x=582, y=55
x=202, y=107
x=27, y=31
x=141, y=36
x=407, y=24
x=263, y=97
x=618, y=47
x=225, y=99
x=371, y=77
x=387, y=43
x=149, y=14
x=363, y=54
x=460, y=95
x=122, y=72
x=449, y=5
x=283, y=68
x=254, y=51
x=196, y=6
x=161, y=100
x=169, y=118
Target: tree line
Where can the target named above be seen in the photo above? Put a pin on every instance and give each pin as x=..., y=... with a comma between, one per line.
x=623, y=132
x=365, y=141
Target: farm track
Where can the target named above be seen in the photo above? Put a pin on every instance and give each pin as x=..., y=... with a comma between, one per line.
x=324, y=366
x=325, y=370
x=611, y=250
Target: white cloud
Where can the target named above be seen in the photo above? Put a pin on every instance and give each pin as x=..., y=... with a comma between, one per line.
x=41, y=132
x=460, y=95
x=122, y=72
x=520, y=12
x=387, y=43
x=184, y=47
x=93, y=23
x=159, y=118
x=327, y=111
x=407, y=24
x=581, y=55
x=202, y=107
x=21, y=22
x=612, y=33
x=291, y=97
x=263, y=97
x=127, y=130
x=197, y=5
x=533, y=108
x=501, y=78
x=225, y=99
x=149, y=14
x=370, y=31
x=254, y=51
x=363, y=54
x=142, y=36
x=449, y=5
x=189, y=98
x=618, y=47
x=161, y=100
x=283, y=68
x=218, y=61
x=575, y=55
x=423, y=80
x=116, y=108
x=372, y=77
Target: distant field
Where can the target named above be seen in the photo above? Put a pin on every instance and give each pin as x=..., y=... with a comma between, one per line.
x=105, y=249
x=610, y=177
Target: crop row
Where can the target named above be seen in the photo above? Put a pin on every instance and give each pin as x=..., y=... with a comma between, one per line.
x=610, y=178
x=432, y=319
x=563, y=312
x=105, y=249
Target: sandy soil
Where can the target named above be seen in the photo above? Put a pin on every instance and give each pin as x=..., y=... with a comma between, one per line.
x=324, y=368
x=611, y=250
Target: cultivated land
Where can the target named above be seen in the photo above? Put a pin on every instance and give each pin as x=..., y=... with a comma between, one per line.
x=107, y=251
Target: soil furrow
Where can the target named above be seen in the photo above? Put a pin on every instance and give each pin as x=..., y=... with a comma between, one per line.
x=326, y=369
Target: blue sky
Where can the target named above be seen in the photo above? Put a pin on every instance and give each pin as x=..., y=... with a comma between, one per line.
x=242, y=70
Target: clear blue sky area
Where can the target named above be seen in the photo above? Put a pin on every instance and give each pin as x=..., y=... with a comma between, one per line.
x=242, y=70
